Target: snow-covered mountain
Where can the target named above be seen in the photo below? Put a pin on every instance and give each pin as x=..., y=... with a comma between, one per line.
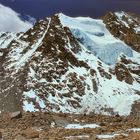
x=71, y=65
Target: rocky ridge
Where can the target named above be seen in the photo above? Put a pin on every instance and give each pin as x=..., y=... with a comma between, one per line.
x=124, y=26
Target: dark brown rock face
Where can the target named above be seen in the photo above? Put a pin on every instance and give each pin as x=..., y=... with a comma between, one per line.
x=123, y=73
x=132, y=67
x=124, y=27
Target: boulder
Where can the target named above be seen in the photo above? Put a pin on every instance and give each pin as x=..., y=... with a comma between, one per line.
x=31, y=133
x=16, y=115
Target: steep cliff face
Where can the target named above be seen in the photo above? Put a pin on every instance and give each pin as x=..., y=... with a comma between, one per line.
x=125, y=26
x=71, y=65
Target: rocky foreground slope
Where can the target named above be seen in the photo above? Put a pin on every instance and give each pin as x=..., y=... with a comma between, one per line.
x=73, y=65
x=52, y=126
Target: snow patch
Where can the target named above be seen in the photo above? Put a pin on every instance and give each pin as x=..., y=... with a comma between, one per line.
x=80, y=136
x=134, y=129
x=79, y=126
x=28, y=106
x=137, y=30
x=120, y=16
x=109, y=136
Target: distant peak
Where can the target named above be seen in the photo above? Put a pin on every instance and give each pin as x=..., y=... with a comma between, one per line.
x=121, y=13
x=60, y=14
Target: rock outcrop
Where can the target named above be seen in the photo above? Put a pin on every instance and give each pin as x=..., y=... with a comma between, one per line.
x=125, y=26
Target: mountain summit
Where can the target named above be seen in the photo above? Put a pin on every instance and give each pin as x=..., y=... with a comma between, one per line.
x=73, y=65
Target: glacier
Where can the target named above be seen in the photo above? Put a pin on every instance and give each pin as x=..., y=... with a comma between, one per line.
x=93, y=34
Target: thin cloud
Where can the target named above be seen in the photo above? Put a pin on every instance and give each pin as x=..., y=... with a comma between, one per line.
x=11, y=22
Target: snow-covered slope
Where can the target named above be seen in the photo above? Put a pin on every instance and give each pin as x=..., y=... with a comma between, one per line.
x=93, y=34
x=5, y=39
x=71, y=65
